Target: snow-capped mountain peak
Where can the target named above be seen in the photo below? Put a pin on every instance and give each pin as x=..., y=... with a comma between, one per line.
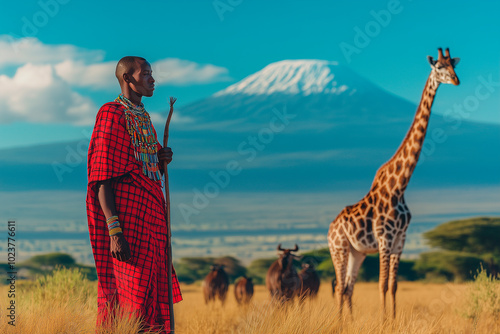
x=305, y=77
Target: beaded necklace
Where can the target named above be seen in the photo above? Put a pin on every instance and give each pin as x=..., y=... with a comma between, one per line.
x=142, y=136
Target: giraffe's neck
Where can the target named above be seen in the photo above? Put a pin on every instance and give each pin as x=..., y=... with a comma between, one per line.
x=404, y=161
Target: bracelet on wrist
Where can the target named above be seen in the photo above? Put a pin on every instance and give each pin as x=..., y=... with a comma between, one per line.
x=115, y=231
x=113, y=225
x=111, y=219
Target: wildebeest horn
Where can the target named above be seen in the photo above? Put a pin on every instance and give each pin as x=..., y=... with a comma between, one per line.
x=295, y=249
x=279, y=248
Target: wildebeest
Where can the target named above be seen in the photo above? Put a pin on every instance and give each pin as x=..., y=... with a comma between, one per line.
x=282, y=280
x=243, y=290
x=310, y=281
x=216, y=283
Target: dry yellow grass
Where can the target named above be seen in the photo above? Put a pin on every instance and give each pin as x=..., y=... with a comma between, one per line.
x=422, y=308
x=67, y=304
x=61, y=303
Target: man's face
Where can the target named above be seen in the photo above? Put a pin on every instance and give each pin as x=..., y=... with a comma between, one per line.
x=142, y=81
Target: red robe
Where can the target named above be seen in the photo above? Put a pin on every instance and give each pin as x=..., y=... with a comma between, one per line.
x=140, y=284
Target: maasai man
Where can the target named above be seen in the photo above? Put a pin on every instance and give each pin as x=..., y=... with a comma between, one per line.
x=125, y=204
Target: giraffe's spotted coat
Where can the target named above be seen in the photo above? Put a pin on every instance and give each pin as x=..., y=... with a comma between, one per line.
x=378, y=222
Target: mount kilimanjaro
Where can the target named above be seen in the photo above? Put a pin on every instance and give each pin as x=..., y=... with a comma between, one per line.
x=324, y=93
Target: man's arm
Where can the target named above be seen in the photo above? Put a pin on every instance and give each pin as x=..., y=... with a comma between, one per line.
x=119, y=247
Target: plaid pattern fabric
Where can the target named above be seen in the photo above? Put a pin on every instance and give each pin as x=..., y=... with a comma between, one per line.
x=139, y=285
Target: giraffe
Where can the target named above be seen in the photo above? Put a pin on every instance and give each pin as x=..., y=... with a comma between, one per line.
x=378, y=222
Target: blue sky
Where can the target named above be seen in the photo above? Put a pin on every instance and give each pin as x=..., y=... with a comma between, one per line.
x=52, y=83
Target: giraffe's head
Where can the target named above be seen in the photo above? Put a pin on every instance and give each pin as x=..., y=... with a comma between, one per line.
x=444, y=67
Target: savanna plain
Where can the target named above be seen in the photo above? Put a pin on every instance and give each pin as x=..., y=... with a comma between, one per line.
x=66, y=302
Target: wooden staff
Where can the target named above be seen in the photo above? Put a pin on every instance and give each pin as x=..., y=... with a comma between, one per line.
x=169, y=233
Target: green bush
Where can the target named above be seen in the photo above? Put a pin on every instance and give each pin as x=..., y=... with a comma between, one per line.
x=369, y=271
x=466, y=244
x=325, y=269
x=258, y=270
x=60, y=284
x=192, y=269
x=475, y=235
x=483, y=296
x=52, y=260
x=407, y=271
x=45, y=264
x=448, y=265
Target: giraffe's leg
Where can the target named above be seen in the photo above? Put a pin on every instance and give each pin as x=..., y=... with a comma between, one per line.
x=383, y=277
x=339, y=258
x=353, y=264
x=393, y=282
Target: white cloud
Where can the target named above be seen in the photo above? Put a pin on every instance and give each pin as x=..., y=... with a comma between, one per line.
x=169, y=71
x=36, y=94
x=159, y=119
x=43, y=87
x=31, y=50
x=174, y=71
x=79, y=74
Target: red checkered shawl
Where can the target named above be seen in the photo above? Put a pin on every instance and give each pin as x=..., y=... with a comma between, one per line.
x=139, y=284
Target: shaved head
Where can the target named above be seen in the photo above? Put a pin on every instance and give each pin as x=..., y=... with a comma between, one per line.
x=135, y=77
x=128, y=65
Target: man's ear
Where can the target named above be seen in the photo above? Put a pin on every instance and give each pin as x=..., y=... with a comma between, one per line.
x=126, y=78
